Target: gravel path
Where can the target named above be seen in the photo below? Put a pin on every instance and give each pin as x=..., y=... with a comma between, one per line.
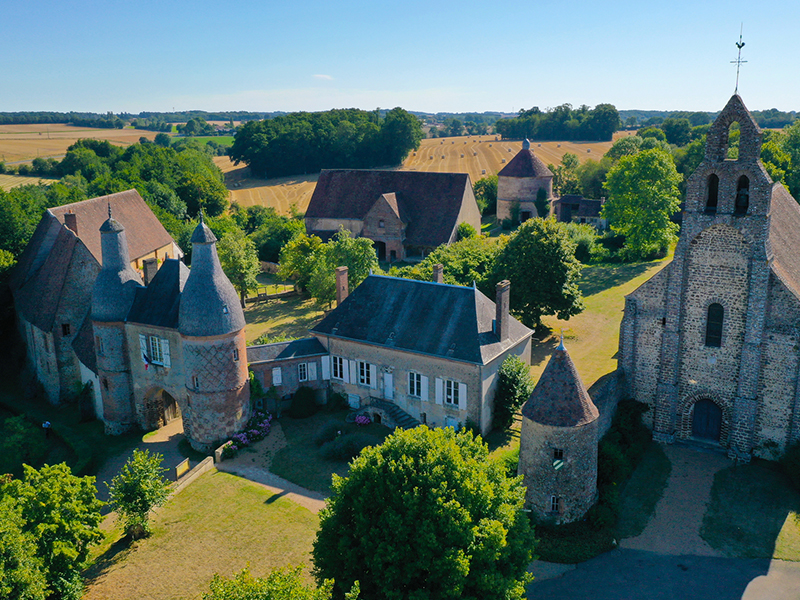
x=675, y=527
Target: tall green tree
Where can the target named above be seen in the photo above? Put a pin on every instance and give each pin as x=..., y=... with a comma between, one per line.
x=281, y=584
x=343, y=250
x=427, y=514
x=137, y=489
x=539, y=261
x=61, y=512
x=643, y=195
x=485, y=190
x=21, y=570
x=565, y=175
x=239, y=259
x=514, y=387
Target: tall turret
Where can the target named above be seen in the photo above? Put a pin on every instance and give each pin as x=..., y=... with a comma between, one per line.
x=112, y=297
x=558, y=443
x=214, y=350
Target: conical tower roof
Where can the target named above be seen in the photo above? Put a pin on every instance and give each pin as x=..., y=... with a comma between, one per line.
x=209, y=304
x=116, y=285
x=560, y=399
x=525, y=164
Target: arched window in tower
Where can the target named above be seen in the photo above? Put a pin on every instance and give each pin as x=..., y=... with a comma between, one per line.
x=716, y=314
x=712, y=189
x=732, y=145
x=742, y=196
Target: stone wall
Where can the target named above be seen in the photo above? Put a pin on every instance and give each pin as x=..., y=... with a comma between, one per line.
x=381, y=224
x=115, y=377
x=522, y=189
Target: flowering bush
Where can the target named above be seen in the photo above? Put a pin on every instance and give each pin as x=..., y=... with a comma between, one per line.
x=363, y=420
x=257, y=429
x=229, y=450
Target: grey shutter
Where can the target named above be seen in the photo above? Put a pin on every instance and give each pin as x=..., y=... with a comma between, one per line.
x=326, y=368
x=439, y=391
x=462, y=396
x=373, y=376
x=346, y=370
x=165, y=353
x=312, y=371
x=388, y=386
x=277, y=377
x=354, y=372
x=143, y=347
x=424, y=388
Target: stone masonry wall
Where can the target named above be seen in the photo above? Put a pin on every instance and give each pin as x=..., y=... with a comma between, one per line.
x=523, y=189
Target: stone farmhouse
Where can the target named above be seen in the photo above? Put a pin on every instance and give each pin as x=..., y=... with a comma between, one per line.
x=406, y=213
x=711, y=342
x=407, y=351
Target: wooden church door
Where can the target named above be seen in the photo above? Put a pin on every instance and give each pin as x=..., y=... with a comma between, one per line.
x=707, y=421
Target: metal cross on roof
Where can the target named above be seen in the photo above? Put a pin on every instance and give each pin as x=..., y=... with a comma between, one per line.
x=739, y=61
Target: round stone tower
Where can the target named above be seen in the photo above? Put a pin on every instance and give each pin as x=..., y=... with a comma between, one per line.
x=558, y=443
x=214, y=352
x=112, y=297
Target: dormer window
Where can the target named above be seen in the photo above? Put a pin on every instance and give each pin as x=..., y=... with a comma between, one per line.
x=224, y=309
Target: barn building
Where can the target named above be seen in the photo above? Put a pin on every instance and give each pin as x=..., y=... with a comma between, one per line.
x=520, y=181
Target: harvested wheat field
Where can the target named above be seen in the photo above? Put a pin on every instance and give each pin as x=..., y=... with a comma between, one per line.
x=8, y=182
x=477, y=155
x=25, y=142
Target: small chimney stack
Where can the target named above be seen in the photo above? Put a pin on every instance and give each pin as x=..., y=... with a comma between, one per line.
x=150, y=268
x=438, y=273
x=71, y=221
x=502, y=316
x=342, y=289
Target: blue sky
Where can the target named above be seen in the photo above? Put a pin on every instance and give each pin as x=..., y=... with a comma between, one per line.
x=427, y=56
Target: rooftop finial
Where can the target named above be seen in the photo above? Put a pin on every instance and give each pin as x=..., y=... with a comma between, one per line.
x=739, y=61
x=561, y=343
x=109, y=210
x=201, y=215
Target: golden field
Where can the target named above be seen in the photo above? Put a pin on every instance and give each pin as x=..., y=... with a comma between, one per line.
x=482, y=156
x=25, y=142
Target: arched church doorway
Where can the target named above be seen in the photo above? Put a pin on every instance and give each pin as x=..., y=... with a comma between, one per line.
x=160, y=408
x=707, y=420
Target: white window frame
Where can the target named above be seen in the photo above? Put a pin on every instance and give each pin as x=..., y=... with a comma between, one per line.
x=302, y=371
x=337, y=368
x=154, y=345
x=364, y=373
x=451, y=392
x=415, y=384
x=555, y=504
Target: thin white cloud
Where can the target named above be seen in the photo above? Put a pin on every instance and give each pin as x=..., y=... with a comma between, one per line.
x=325, y=77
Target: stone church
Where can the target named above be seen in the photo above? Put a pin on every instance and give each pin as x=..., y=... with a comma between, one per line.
x=711, y=342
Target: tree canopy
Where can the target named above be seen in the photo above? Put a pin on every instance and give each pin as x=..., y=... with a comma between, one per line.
x=514, y=387
x=239, y=259
x=643, y=195
x=485, y=190
x=539, y=261
x=426, y=515
x=562, y=123
x=137, y=489
x=302, y=142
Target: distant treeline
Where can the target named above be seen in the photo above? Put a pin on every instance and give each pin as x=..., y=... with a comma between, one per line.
x=110, y=120
x=768, y=119
x=484, y=118
x=562, y=123
x=303, y=142
x=107, y=120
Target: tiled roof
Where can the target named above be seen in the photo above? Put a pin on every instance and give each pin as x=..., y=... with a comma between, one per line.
x=145, y=233
x=784, y=237
x=285, y=350
x=560, y=399
x=158, y=303
x=525, y=164
x=448, y=321
x=586, y=206
x=429, y=202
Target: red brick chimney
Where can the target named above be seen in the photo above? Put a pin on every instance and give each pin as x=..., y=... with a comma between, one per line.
x=438, y=273
x=71, y=221
x=150, y=268
x=342, y=289
x=502, y=317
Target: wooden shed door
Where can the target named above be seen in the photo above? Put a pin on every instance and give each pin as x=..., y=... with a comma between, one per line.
x=707, y=420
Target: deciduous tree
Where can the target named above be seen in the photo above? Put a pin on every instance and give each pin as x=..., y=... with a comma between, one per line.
x=539, y=261
x=514, y=387
x=485, y=190
x=137, y=489
x=427, y=514
x=643, y=195
x=21, y=570
x=239, y=259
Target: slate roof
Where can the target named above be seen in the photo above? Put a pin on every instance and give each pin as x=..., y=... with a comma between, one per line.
x=158, y=303
x=83, y=344
x=145, y=233
x=525, y=164
x=448, y=321
x=784, y=237
x=586, y=206
x=560, y=399
x=428, y=202
x=209, y=304
x=285, y=350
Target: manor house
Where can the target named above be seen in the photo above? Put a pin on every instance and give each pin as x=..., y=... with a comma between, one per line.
x=712, y=342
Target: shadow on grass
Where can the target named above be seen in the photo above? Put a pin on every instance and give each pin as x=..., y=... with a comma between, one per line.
x=599, y=278
x=643, y=491
x=116, y=553
x=290, y=316
x=750, y=513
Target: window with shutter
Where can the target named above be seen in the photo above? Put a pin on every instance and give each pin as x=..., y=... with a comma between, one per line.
x=439, y=391
x=165, y=353
x=277, y=377
x=312, y=371
x=326, y=368
x=414, y=384
x=424, y=388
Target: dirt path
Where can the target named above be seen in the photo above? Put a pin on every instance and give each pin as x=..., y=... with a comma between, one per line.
x=675, y=528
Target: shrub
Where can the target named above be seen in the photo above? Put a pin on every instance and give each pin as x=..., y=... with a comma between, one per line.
x=585, y=238
x=514, y=386
x=337, y=401
x=345, y=447
x=327, y=433
x=363, y=420
x=465, y=231
x=304, y=403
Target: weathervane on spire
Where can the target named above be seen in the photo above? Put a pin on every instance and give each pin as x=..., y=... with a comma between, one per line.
x=739, y=61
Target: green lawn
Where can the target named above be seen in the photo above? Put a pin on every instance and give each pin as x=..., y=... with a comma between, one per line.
x=301, y=461
x=753, y=513
x=222, y=140
x=290, y=317
x=219, y=524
